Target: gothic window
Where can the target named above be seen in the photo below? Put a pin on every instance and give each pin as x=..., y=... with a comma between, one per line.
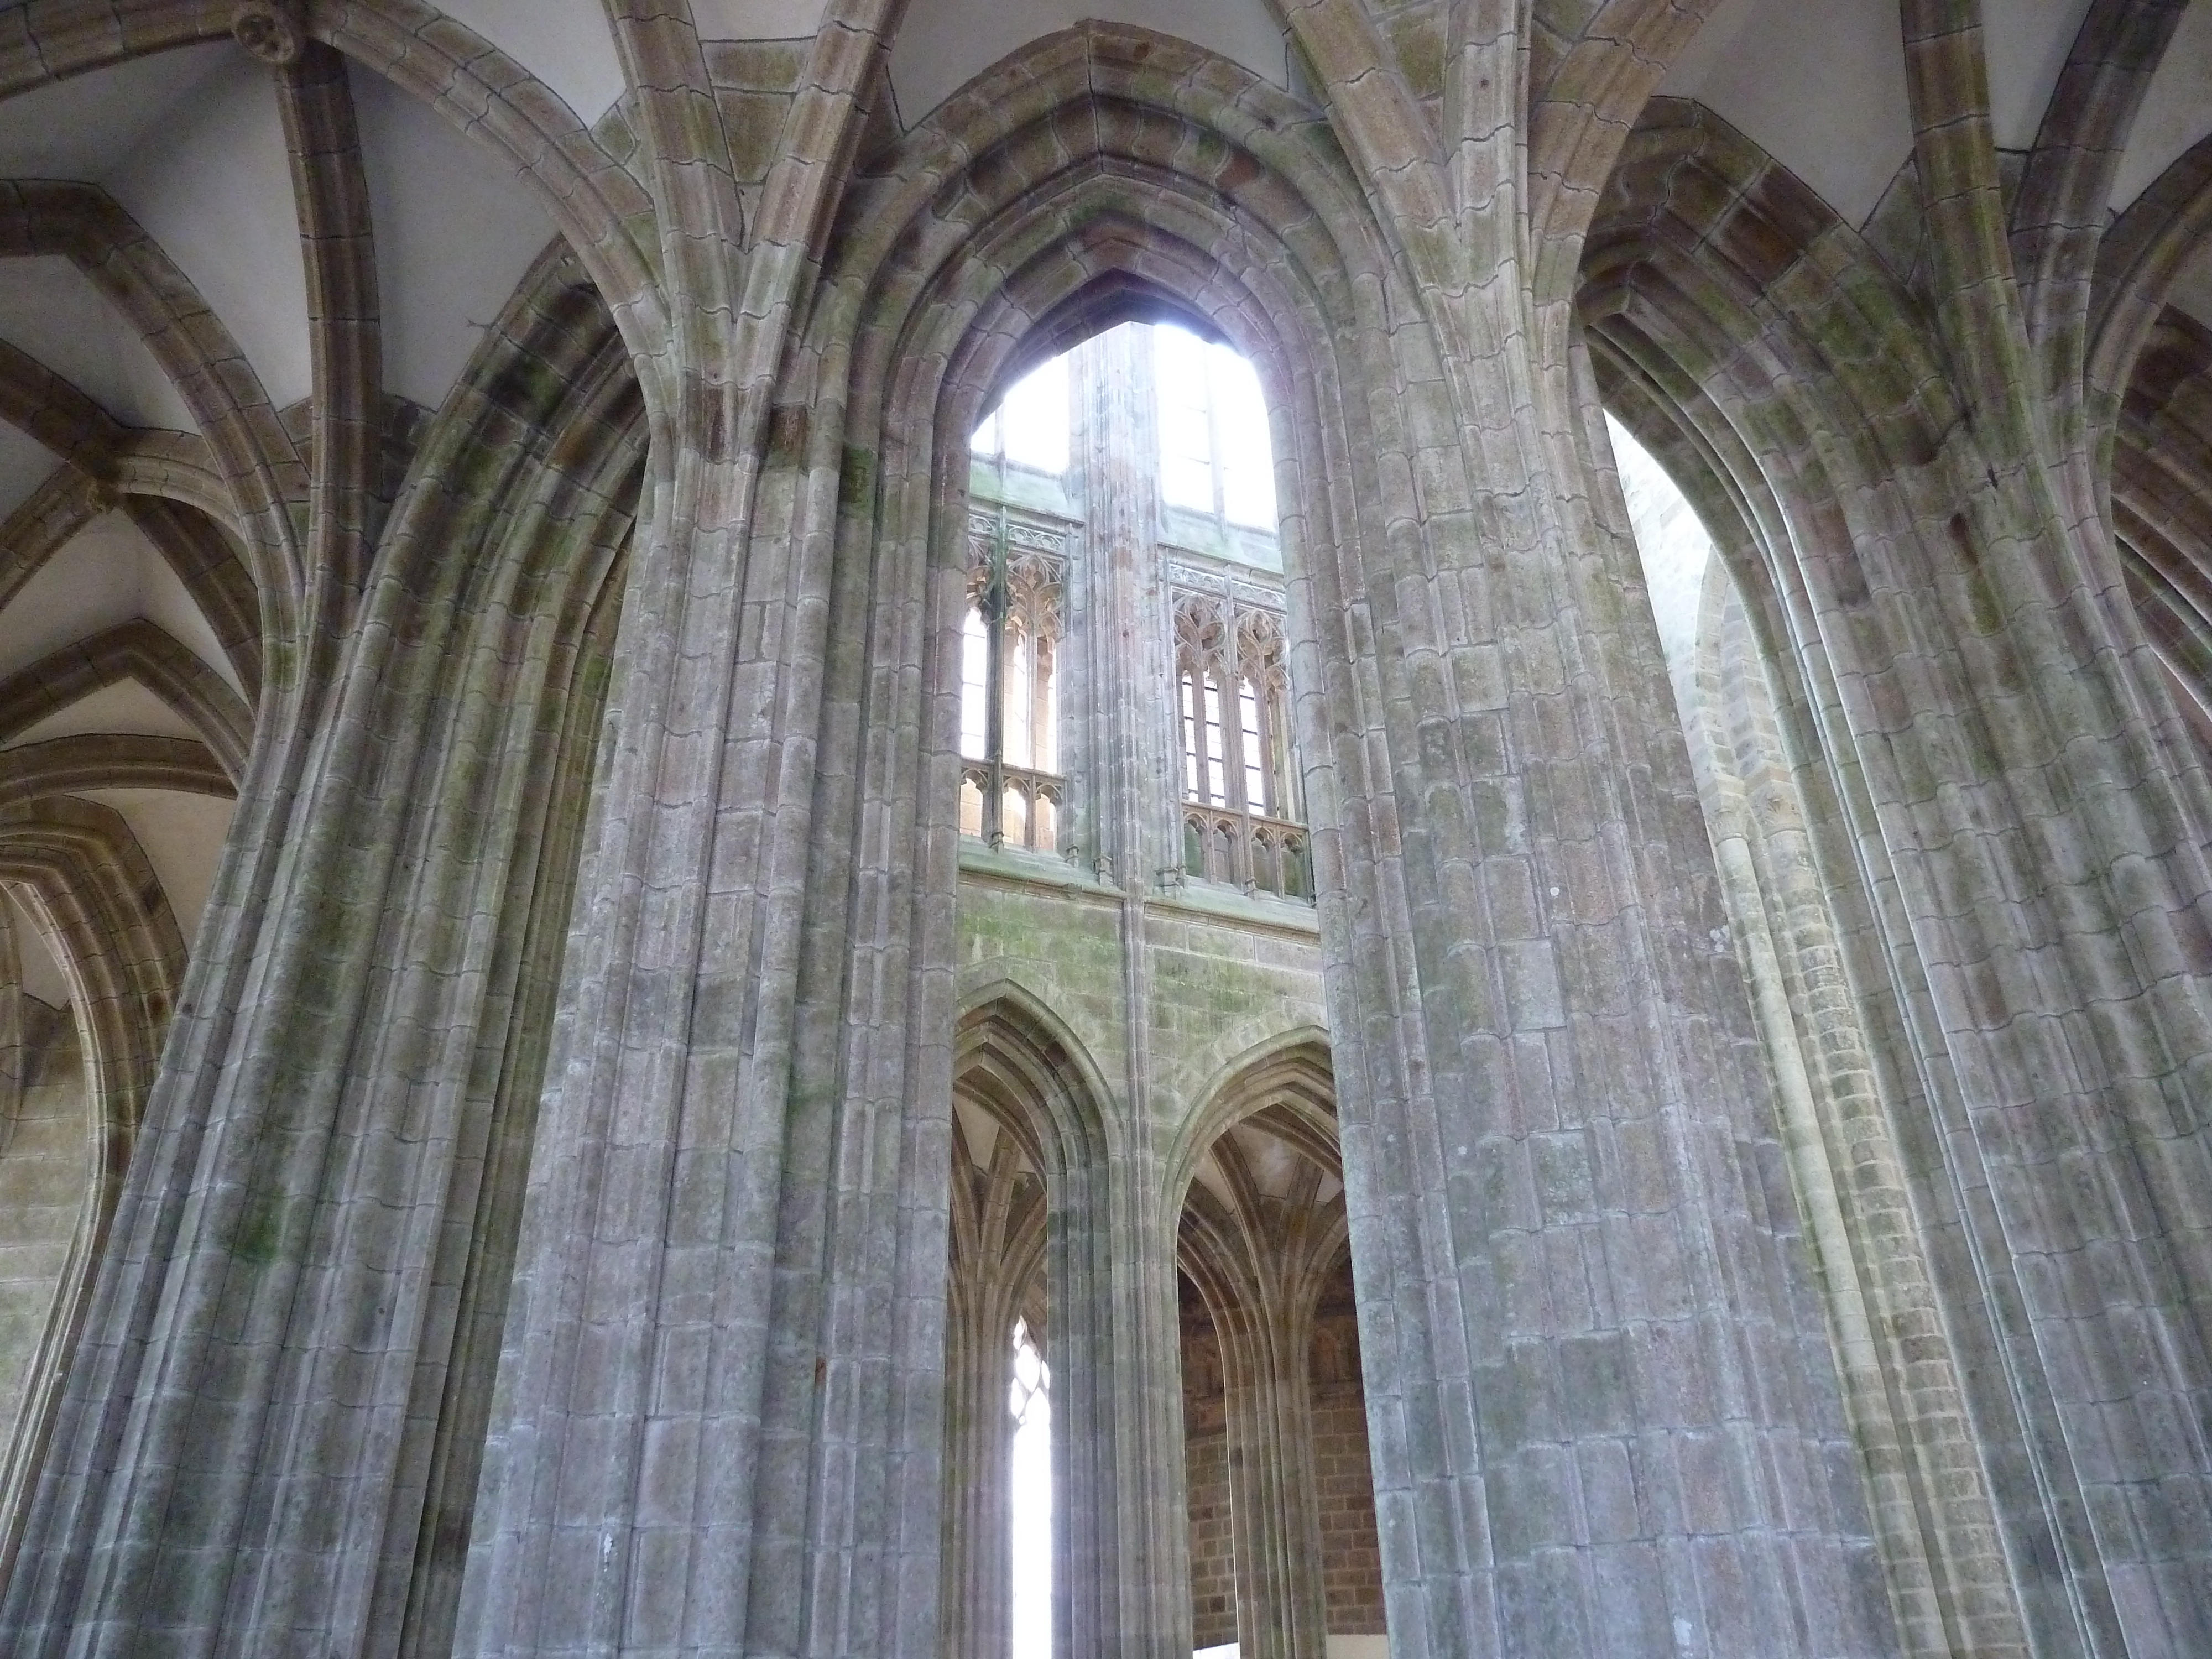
x=1232, y=696
x=1030, y=426
x=1028, y=1402
x=1010, y=785
x=1215, y=457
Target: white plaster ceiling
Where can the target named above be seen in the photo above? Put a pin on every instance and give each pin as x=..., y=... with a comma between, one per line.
x=757, y=20
x=214, y=187
x=181, y=836
x=2025, y=43
x=1820, y=87
x=564, y=43
x=944, y=44
x=50, y=309
x=109, y=573
x=24, y=464
x=87, y=126
x=455, y=230
x=42, y=974
x=125, y=707
x=190, y=144
x=2177, y=110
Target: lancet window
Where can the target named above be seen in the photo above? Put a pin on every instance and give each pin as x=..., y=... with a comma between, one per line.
x=1241, y=818
x=1215, y=458
x=1011, y=788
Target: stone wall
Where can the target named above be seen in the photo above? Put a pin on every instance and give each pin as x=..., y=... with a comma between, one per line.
x=42, y=1193
x=1206, y=1475
x=1351, y=1553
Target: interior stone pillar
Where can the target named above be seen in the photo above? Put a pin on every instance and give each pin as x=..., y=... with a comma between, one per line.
x=1568, y=1212
x=281, y=1329
x=1121, y=1574
x=998, y=1229
x=978, y=1591
x=1274, y=1520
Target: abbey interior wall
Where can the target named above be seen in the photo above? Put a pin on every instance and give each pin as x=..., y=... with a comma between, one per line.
x=1777, y=1212
x=43, y=1152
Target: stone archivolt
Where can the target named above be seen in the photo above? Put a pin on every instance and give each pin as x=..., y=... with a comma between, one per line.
x=574, y=1192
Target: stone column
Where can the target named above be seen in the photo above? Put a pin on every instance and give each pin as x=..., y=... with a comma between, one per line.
x=998, y=1227
x=978, y=1591
x=1261, y=1267
x=1118, y=1445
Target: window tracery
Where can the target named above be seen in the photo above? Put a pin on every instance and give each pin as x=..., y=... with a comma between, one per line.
x=1010, y=787
x=1214, y=454
x=1241, y=817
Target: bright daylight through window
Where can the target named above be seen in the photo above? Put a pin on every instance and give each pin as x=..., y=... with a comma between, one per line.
x=1053, y=463
x=1029, y=1399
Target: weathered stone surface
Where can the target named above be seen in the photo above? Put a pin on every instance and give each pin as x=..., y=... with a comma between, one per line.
x=1763, y=1048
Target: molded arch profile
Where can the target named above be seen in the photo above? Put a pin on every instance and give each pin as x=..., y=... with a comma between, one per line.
x=79, y=868
x=2140, y=260
x=1101, y=172
x=137, y=650
x=482, y=92
x=1013, y=1056
x=1291, y=1071
x=110, y=760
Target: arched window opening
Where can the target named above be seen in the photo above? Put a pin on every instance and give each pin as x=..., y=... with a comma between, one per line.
x=1030, y=426
x=1284, y=1554
x=1241, y=821
x=1029, y=1401
x=1215, y=456
x=1011, y=788
x=1138, y=462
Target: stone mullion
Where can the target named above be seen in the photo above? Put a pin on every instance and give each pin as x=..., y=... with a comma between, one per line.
x=1131, y=780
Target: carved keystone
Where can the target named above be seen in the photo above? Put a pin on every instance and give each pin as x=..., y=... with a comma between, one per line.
x=272, y=30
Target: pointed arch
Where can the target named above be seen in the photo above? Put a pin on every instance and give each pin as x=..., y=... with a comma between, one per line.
x=136, y=650
x=1290, y=1074
x=1015, y=1055
x=80, y=869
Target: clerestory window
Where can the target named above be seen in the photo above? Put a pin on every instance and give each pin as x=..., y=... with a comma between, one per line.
x=1241, y=816
x=1011, y=789
x=1030, y=425
x=1146, y=445
x=1215, y=457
